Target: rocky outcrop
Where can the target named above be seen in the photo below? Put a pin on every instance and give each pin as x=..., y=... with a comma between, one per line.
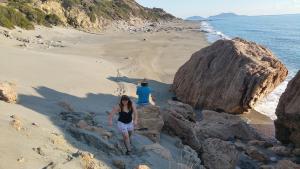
x=178, y=121
x=8, y=92
x=176, y=124
x=84, y=128
x=255, y=154
x=287, y=164
x=218, y=154
x=159, y=150
x=150, y=122
x=229, y=75
x=225, y=126
x=287, y=124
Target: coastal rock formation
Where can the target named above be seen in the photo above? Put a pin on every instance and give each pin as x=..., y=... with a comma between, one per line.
x=8, y=92
x=218, y=154
x=176, y=124
x=286, y=164
x=255, y=154
x=229, y=75
x=225, y=126
x=159, y=150
x=288, y=114
x=185, y=110
x=214, y=125
x=150, y=122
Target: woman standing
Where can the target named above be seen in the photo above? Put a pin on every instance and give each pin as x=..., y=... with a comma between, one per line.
x=127, y=119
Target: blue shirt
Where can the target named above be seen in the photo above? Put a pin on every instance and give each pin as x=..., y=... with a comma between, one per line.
x=143, y=93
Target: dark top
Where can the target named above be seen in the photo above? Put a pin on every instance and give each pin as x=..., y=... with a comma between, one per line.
x=125, y=117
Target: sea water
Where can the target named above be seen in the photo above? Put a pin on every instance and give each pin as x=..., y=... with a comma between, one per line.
x=280, y=33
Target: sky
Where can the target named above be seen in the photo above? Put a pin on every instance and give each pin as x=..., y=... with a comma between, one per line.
x=186, y=8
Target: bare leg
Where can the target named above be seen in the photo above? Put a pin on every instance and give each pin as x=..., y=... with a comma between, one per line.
x=130, y=134
x=127, y=141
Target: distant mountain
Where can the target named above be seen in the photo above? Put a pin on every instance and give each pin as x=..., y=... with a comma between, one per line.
x=223, y=15
x=195, y=18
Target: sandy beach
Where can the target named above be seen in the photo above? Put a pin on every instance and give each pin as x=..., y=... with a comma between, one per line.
x=87, y=72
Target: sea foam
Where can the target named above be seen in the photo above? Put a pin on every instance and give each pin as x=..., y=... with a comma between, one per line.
x=211, y=33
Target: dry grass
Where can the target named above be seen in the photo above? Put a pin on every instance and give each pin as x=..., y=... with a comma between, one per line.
x=88, y=161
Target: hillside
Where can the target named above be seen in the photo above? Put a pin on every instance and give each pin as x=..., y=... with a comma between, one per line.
x=80, y=14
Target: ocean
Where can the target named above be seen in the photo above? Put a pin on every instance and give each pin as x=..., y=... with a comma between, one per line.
x=280, y=33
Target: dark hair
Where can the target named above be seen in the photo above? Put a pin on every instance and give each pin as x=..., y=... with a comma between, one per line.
x=129, y=105
x=144, y=84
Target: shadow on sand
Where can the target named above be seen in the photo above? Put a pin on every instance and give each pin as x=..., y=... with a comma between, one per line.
x=48, y=104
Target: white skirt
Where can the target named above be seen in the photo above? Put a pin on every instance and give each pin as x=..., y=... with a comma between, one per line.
x=124, y=128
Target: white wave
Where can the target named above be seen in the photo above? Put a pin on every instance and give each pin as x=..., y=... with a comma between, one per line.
x=268, y=105
x=212, y=34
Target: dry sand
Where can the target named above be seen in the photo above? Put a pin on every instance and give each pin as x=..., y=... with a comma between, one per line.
x=88, y=73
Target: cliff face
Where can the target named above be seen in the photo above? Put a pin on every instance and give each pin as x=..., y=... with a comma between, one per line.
x=80, y=14
x=288, y=113
x=229, y=75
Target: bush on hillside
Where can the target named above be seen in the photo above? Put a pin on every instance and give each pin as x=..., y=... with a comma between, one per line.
x=34, y=14
x=53, y=19
x=70, y=3
x=9, y=18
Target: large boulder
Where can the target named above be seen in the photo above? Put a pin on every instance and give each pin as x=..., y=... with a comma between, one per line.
x=287, y=124
x=213, y=125
x=178, y=123
x=150, y=122
x=8, y=92
x=218, y=154
x=229, y=75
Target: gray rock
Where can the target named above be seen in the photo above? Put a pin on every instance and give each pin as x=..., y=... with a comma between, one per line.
x=218, y=154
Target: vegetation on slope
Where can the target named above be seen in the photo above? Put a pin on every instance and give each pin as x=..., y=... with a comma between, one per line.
x=21, y=13
x=117, y=9
x=24, y=13
x=10, y=18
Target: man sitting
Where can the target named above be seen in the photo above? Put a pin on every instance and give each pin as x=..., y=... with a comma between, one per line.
x=143, y=91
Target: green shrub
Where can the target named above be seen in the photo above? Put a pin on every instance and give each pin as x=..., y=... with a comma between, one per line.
x=34, y=14
x=116, y=9
x=70, y=3
x=9, y=18
x=92, y=16
x=5, y=22
x=53, y=19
